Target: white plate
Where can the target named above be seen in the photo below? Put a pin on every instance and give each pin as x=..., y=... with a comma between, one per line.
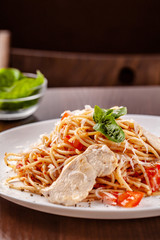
x=12, y=141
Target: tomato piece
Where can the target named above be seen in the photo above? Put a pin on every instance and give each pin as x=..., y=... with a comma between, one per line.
x=154, y=177
x=109, y=198
x=130, y=199
x=19, y=166
x=75, y=143
x=66, y=139
x=65, y=115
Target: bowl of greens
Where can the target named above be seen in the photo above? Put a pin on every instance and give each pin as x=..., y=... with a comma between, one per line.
x=20, y=93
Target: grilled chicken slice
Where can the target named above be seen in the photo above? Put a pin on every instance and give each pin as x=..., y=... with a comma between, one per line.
x=152, y=139
x=78, y=177
x=101, y=158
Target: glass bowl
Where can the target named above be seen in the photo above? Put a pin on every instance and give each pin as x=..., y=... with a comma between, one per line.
x=20, y=108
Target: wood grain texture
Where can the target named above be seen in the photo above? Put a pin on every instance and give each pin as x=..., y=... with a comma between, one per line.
x=18, y=223
x=79, y=69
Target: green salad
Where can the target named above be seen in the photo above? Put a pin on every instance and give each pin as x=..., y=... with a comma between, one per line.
x=15, y=85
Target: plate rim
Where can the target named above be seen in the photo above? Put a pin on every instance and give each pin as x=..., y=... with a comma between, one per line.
x=83, y=210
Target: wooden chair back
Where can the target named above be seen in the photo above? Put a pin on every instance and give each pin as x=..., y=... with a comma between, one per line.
x=64, y=69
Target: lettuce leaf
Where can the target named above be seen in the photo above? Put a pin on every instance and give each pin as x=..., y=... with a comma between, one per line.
x=21, y=87
x=8, y=76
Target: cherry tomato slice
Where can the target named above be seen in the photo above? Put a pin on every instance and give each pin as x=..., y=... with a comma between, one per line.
x=130, y=199
x=75, y=143
x=65, y=115
x=109, y=198
x=154, y=177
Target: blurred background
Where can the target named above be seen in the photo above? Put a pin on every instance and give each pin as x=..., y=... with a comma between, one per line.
x=85, y=43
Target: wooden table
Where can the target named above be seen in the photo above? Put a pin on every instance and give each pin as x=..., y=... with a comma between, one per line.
x=18, y=222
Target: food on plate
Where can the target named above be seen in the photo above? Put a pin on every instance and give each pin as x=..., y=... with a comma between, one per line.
x=15, y=85
x=92, y=154
x=79, y=176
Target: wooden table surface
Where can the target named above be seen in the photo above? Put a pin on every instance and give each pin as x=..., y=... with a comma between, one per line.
x=17, y=222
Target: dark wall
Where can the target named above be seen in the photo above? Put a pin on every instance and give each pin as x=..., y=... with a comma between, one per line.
x=84, y=26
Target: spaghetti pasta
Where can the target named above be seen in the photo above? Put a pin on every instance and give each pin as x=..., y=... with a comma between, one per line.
x=39, y=167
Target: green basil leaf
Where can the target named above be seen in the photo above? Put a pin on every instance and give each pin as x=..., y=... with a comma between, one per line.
x=119, y=112
x=106, y=124
x=111, y=130
x=100, y=115
x=8, y=76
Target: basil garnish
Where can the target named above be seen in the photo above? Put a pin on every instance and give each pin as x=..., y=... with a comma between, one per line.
x=106, y=124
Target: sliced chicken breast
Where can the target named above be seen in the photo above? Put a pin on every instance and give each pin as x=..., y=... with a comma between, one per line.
x=152, y=139
x=78, y=177
x=101, y=158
